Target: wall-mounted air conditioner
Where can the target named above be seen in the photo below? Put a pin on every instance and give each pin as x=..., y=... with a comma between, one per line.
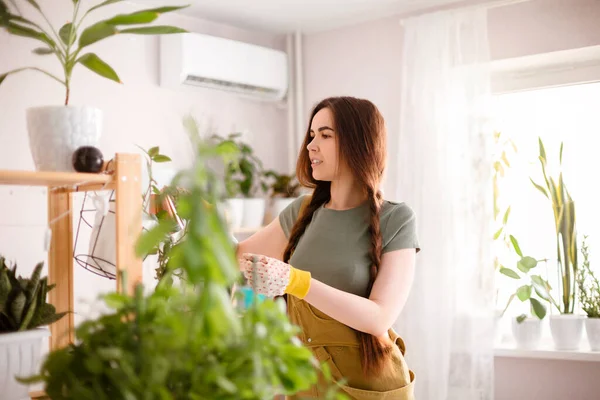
x=207, y=61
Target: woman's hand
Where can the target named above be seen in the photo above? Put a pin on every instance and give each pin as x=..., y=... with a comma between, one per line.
x=272, y=277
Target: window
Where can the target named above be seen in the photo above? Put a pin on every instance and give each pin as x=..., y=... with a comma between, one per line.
x=570, y=114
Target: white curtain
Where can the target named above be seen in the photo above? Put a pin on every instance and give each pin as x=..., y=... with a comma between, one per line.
x=443, y=171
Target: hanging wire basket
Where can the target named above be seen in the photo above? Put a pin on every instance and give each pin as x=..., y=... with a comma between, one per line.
x=100, y=258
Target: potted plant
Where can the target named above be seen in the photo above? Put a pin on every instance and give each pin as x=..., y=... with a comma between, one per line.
x=589, y=297
x=55, y=132
x=186, y=342
x=566, y=327
x=244, y=181
x=527, y=329
x=23, y=315
x=284, y=190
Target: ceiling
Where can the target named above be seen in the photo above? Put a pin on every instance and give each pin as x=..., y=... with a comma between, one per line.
x=308, y=16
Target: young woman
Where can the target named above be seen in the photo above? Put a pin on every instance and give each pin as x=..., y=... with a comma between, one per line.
x=344, y=256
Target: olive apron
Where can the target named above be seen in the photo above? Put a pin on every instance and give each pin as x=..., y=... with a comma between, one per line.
x=337, y=345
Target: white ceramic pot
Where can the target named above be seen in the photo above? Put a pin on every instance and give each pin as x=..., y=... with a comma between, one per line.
x=55, y=132
x=234, y=213
x=567, y=330
x=254, y=213
x=592, y=329
x=20, y=354
x=527, y=333
x=279, y=204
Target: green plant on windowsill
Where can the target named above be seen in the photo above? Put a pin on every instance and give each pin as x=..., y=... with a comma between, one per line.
x=282, y=185
x=70, y=42
x=534, y=289
x=563, y=210
x=186, y=342
x=588, y=284
x=244, y=173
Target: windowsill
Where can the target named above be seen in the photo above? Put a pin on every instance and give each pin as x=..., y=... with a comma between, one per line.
x=546, y=351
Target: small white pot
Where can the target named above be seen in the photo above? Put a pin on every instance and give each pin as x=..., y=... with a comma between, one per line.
x=55, y=132
x=254, y=213
x=566, y=331
x=279, y=204
x=592, y=329
x=20, y=354
x=527, y=333
x=234, y=212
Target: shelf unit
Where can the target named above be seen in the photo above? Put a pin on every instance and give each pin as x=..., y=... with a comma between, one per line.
x=124, y=177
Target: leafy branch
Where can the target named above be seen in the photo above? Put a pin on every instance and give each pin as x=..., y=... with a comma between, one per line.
x=69, y=41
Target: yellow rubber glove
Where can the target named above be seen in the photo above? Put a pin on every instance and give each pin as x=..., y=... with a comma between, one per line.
x=271, y=277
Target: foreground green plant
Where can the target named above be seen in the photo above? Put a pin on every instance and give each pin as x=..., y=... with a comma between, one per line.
x=68, y=42
x=186, y=341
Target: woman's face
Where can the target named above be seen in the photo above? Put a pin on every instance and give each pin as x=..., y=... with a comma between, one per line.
x=323, y=148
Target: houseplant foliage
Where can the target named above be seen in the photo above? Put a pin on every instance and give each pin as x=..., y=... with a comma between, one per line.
x=23, y=300
x=282, y=185
x=186, y=342
x=588, y=284
x=69, y=43
x=563, y=209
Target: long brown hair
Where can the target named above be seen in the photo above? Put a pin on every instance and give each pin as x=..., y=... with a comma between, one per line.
x=361, y=134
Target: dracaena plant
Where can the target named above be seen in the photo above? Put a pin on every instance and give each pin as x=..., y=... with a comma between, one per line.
x=70, y=43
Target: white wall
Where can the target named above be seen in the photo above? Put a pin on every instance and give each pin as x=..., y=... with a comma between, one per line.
x=139, y=112
x=365, y=61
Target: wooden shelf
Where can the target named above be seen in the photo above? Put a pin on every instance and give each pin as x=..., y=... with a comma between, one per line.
x=78, y=181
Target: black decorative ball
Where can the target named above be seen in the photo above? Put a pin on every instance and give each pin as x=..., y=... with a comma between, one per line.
x=88, y=159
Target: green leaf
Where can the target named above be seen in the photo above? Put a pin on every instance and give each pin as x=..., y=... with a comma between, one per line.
x=524, y=292
x=105, y=3
x=153, y=151
x=561, y=153
x=153, y=237
x=3, y=77
x=506, y=214
x=510, y=273
x=540, y=188
x=67, y=34
x=521, y=318
x=161, y=158
x=136, y=18
x=42, y=51
x=538, y=308
x=515, y=244
x=154, y=30
x=542, y=150
x=95, y=33
x=17, y=306
x=95, y=64
x=24, y=31
x=526, y=263
x=34, y=4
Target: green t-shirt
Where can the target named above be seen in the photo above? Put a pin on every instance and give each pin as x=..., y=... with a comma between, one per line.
x=335, y=246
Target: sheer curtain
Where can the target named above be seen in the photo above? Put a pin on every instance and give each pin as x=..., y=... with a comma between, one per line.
x=443, y=171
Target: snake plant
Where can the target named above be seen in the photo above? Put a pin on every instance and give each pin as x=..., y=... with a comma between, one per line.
x=563, y=209
x=23, y=300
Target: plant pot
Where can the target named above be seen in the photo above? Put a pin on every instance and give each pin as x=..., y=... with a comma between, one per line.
x=279, y=204
x=103, y=243
x=566, y=331
x=20, y=354
x=592, y=329
x=254, y=213
x=55, y=132
x=234, y=211
x=527, y=333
